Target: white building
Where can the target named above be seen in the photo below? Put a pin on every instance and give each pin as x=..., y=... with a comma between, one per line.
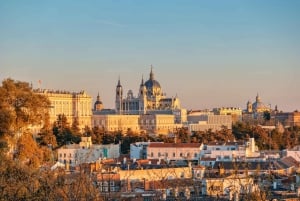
x=138, y=150
x=86, y=152
x=174, y=151
x=295, y=153
x=227, y=151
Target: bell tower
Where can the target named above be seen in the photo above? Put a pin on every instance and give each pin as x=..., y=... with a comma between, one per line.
x=142, y=97
x=119, y=97
x=249, y=107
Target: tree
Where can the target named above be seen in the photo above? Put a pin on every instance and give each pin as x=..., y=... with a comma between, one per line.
x=20, y=108
x=97, y=135
x=63, y=132
x=28, y=151
x=267, y=115
x=75, y=128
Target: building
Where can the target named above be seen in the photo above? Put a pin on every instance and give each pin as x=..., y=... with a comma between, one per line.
x=294, y=119
x=231, y=186
x=138, y=150
x=73, y=105
x=150, y=111
x=150, y=100
x=117, y=122
x=86, y=152
x=174, y=151
x=258, y=106
x=228, y=151
x=208, y=122
x=236, y=113
x=158, y=123
x=148, y=123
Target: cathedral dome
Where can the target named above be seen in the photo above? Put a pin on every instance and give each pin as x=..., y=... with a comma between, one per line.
x=152, y=86
x=259, y=106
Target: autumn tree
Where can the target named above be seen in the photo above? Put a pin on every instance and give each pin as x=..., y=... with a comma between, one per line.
x=20, y=108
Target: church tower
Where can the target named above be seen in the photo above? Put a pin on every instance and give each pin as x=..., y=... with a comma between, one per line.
x=249, y=107
x=98, y=104
x=142, y=97
x=119, y=97
x=257, y=98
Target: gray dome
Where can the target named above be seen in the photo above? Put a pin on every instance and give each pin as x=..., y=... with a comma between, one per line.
x=98, y=102
x=152, y=84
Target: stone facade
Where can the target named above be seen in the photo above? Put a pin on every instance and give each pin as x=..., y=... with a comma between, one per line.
x=71, y=104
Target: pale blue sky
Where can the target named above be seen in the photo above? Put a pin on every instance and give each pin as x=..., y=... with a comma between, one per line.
x=209, y=53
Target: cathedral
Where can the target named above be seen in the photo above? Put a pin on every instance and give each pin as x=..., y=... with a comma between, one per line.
x=257, y=107
x=150, y=99
x=149, y=111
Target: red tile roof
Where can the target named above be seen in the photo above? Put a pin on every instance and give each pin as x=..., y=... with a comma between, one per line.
x=174, y=145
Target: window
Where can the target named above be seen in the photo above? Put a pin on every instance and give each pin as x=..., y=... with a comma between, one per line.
x=180, y=154
x=70, y=162
x=158, y=154
x=166, y=154
x=195, y=155
x=64, y=155
x=70, y=155
x=60, y=155
x=174, y=154
x=151, y=154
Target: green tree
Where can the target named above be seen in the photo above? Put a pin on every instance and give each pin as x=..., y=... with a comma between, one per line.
x=62, y=131
x=75, y=128
x=97, y=135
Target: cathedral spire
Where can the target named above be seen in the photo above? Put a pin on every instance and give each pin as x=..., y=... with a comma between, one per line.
x=151, y=74
x=119, y=82
x=257, y=98
x=142, y=82
x=98, y=97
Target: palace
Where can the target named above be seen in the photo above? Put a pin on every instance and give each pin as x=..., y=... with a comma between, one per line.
x=76, y=105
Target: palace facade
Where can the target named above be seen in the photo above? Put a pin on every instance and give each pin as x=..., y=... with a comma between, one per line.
x=74, y=105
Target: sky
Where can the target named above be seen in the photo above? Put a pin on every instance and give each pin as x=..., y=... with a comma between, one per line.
x=210, y=53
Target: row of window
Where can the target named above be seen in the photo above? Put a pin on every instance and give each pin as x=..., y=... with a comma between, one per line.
x=166, y=154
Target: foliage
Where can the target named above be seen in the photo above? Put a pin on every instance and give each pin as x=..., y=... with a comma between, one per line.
x=268, y=139
x=20, y=182
x=63, y=132
x=28, y=151
x=20, y=107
